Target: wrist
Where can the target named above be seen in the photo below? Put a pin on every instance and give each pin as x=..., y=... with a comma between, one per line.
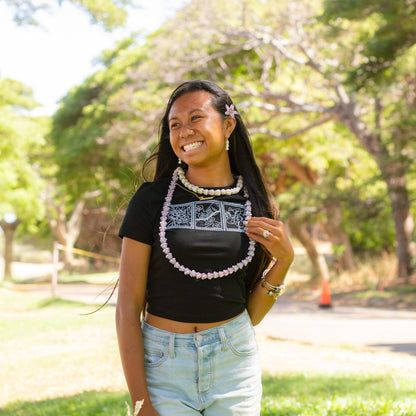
x=279, y=268
x=273, y=290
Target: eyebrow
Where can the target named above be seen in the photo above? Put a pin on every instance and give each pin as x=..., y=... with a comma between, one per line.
x=192, y=111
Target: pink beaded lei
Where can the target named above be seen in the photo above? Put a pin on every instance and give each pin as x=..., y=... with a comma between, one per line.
x=186, y=270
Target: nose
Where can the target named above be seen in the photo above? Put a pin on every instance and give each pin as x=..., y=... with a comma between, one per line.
x=186, y=131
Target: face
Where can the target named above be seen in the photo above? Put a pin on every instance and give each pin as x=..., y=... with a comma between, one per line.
x=197, y=131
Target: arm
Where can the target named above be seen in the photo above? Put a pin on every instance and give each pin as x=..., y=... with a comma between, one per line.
x=130, y=302
x=279, y=246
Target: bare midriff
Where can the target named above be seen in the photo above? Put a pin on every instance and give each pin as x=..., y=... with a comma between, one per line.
x=180, y=327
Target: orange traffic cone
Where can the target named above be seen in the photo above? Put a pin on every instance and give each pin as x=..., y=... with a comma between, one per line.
x=325, y=300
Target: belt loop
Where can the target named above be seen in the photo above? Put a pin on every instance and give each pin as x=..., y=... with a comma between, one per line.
x=172, y=346
x=223, y=338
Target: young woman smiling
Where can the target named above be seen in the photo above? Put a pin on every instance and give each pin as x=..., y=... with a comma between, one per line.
x=204, y=256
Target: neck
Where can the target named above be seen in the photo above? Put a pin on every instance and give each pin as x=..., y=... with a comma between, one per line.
x=210, y=177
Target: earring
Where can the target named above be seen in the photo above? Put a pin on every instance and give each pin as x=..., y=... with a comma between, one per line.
x=227, y=145
x=179, y=161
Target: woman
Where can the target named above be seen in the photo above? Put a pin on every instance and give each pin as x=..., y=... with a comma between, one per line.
x=197, y=242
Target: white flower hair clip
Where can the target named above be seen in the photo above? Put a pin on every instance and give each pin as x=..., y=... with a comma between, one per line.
x=230, y=111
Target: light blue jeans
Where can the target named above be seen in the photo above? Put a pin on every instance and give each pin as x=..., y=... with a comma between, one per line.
x=215, y=372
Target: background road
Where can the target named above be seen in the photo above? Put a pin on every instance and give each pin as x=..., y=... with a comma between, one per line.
x=393, y=330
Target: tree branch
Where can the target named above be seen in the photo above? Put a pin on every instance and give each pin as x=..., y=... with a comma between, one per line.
x=294, y=133
x=298, y=107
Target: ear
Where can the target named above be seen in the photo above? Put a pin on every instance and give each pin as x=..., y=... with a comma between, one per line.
x=229, y=126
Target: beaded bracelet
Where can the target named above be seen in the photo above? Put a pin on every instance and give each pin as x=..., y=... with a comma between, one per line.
x=274, y=291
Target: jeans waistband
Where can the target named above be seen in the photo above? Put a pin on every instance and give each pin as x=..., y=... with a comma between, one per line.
x=205, y=337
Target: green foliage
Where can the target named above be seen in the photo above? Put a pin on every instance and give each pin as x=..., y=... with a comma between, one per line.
x=346, y=173
x=369, y=225
x=96, y=132
x=14, y=93
x=110, y=13
x=390, y=32
x=21, y=137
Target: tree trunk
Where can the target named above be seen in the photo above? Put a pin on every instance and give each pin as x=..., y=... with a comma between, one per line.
x=403, y=224
x=9, y=230
x=393, y=171
x=336, y=234
x=66, y=230
x=299, y=231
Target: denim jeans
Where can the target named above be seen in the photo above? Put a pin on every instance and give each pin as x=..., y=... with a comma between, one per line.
x=215, y=372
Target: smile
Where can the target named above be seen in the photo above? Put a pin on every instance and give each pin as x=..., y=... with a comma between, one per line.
x=191, y=146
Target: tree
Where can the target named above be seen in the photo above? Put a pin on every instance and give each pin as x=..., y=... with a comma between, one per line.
x=97, y=134
x=386, y=64
x=110, y=13
x=390, y=36
x=20, y=185
x=303, y=73
x=96, y=146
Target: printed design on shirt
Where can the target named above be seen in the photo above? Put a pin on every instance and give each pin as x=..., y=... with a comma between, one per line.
x=207, y=215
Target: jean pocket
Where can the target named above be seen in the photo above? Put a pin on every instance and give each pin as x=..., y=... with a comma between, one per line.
x=243, y=343
x=154, y=357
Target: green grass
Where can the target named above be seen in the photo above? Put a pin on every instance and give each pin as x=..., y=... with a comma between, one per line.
x=403, y=296
x=348, y=394
x=91, y=403
x=107, y=278
x=56, y=361
x=94, y=278
x=284, y=395
x=398, y=291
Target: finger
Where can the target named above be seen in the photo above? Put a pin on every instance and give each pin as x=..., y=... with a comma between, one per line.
x=259, y=225
x=263, y=220
x=260, y=234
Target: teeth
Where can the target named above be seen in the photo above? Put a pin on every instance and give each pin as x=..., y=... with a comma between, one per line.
x=192, y=146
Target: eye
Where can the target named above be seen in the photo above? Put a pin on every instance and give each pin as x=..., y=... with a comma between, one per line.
x=196, y=117
x=174, y=125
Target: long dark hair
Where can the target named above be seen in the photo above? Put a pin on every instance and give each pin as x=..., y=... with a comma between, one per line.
x=240, y=153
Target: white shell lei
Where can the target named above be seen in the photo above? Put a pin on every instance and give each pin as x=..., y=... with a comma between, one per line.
x=164, y=241
x=212, y=192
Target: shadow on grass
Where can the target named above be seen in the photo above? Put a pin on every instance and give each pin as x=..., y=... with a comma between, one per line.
x=91, y=403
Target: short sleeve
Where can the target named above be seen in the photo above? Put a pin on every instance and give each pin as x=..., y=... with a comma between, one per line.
x=138, y=223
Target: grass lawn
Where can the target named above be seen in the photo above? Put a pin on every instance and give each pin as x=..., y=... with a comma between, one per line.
x=106, y=278
x=55, y=360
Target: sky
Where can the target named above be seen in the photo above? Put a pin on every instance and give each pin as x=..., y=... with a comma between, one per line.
x=58, y=55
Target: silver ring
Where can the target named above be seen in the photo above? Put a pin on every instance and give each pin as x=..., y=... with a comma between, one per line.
x=266, y=233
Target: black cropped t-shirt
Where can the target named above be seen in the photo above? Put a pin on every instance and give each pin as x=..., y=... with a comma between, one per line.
x=205, y=236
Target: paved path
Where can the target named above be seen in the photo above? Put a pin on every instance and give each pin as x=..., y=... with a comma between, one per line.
x=392, y=330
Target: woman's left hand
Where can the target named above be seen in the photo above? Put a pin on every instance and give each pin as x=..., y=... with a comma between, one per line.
x=272, y=235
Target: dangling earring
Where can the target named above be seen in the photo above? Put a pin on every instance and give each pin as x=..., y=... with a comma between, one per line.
x=179, y=161
x=227, y=145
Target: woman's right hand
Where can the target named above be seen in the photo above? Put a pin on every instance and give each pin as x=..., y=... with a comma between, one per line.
x=147, y=411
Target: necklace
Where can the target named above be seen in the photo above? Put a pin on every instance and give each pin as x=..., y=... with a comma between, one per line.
x=201, y=198
x=204, y=191
x=184, y=269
